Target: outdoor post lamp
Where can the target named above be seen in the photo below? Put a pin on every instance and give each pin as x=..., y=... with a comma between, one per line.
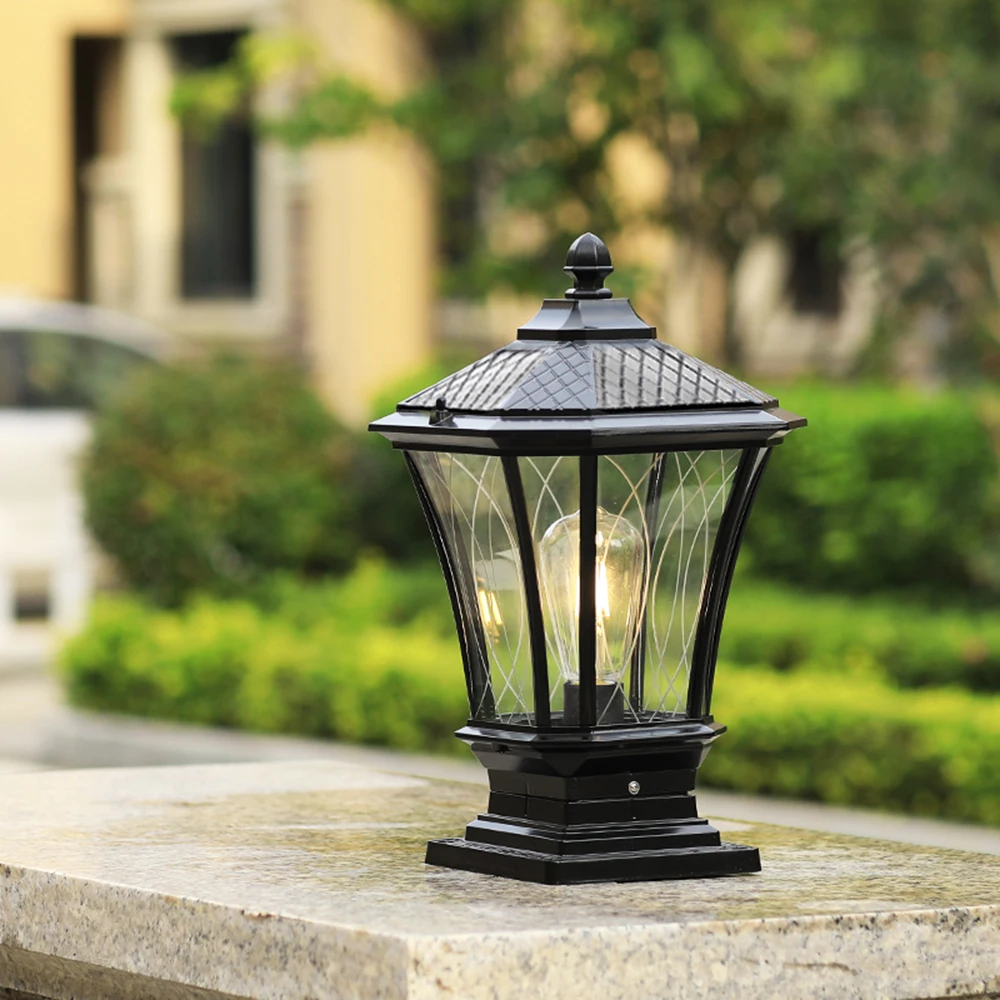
x=587, y=487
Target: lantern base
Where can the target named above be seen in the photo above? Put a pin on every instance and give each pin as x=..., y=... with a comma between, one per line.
x=611, y=805
x=624, y=866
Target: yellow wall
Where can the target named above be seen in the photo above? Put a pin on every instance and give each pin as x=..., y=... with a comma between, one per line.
x=36, y=208
x=369, y=205
x=370, y=224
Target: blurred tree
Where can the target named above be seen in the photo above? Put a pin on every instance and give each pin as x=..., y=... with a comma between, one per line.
x=868, y=119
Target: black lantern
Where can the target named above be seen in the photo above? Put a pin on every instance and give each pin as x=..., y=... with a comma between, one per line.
x=587, y=487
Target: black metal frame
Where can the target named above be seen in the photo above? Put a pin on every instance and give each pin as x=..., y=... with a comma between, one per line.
x=587, y=627
x=532, y=595
x=569, y=810
x=597, y=434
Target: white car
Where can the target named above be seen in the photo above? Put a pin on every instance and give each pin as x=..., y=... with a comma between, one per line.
x=58, y=361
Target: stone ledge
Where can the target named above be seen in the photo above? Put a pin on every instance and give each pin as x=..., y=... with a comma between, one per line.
x=306, y=880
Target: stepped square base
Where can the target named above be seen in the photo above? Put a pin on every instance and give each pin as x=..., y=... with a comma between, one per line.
x=625, y=866
x=563, y=810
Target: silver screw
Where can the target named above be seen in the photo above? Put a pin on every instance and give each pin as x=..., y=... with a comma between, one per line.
x=633, y=788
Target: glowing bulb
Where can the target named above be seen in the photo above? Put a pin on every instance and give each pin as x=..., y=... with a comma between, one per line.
x=489, y=611
x=618, y=590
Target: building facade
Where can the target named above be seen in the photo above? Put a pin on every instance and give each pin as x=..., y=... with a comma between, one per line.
x=325, y=254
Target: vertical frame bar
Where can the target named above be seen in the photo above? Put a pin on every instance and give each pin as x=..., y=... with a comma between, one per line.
x=637, y=671
x=753, y=461
x=532, y=595
x=472, y=641
x=588, y=614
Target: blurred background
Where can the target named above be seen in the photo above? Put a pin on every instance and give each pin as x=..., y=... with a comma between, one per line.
x=235, y=230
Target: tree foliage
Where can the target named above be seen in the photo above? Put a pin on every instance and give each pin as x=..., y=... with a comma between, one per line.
x=870, y=119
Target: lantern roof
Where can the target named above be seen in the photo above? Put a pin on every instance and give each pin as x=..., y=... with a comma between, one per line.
x=585, y=377
x=591, y=356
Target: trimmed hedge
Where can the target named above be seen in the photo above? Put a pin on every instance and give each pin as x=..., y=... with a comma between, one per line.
x=905, y=642
x=326, y=661
x=887, y=489
x=364, y=659
x=854, y=741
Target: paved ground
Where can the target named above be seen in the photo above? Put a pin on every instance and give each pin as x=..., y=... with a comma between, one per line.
x=38, y=731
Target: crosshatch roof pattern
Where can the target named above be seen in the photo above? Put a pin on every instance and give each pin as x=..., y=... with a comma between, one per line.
x=568, y=377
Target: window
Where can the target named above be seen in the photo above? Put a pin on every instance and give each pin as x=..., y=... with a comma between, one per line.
x=217, y=189
x=816, y=274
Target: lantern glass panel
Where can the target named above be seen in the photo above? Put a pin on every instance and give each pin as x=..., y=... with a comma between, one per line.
x=689, y=492
x=626, y=492
x=657, y=519
x=470, y=496
x=551, y=494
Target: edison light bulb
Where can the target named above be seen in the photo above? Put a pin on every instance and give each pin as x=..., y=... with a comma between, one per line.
x=618, y=584
x=489, y=610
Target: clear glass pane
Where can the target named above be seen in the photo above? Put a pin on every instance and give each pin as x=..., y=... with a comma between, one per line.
x=693, y=495
x=621, y=581
x=552, y=494
x=470, y=495
x=657, y=520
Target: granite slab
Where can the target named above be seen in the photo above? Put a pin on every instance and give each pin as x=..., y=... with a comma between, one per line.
x=306, y=880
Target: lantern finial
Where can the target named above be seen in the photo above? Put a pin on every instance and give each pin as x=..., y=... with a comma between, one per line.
x=589, y=261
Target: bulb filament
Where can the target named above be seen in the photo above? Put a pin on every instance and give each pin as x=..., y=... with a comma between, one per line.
x=489, y=611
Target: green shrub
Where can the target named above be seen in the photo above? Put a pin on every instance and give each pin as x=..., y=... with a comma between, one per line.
x=355, y=659
x=907, y=643
x=886, y=489
x=390, y=519
x=207, y=476
x=854, y=741
x=361, y=659
x=374, y=591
